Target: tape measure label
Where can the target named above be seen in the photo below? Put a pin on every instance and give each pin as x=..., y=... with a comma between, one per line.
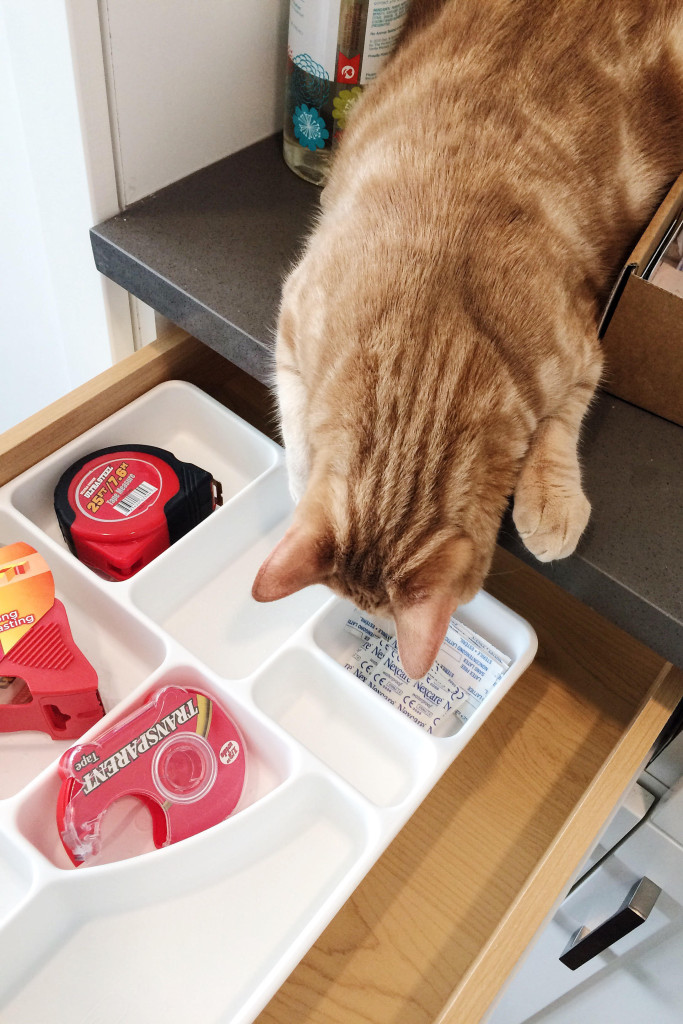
x=114, y=490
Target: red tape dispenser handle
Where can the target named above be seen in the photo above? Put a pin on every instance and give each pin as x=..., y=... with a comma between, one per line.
x=52, y=686
x=180, y=754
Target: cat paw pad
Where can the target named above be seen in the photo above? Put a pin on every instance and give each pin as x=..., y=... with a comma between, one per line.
x=550, y=523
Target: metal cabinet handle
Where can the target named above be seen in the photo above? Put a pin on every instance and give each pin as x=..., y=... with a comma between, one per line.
x=634, y=911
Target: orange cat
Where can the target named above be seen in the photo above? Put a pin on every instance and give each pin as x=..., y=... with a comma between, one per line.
x=437, y=345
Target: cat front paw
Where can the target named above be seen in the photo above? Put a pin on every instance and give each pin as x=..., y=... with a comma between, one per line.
x=550, y=520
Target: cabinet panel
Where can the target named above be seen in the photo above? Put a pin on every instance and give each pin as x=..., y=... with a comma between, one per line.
x=633, y=980
x=190, y=83
x=642, y=986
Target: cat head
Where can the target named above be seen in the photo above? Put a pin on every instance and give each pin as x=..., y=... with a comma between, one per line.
x=421, y=601
x=392, y=550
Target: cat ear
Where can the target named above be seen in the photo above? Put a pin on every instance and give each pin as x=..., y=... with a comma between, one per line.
x=423, y=611
x=420, y=630
x=298, y=561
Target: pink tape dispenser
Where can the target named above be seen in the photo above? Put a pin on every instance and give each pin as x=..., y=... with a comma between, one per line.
x=180, y=754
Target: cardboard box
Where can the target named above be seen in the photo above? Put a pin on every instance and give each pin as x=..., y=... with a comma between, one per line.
x=642, y=329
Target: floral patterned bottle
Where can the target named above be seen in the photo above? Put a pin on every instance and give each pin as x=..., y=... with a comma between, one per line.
x=335, y=48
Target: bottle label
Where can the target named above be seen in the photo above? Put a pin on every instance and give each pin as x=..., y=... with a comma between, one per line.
x=313, y=34
x=335, y=48
x=385, y=21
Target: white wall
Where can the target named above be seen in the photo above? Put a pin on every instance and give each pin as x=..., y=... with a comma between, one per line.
x=190, y=81
x=101, y=103
x=59, y=321
x=22, y=258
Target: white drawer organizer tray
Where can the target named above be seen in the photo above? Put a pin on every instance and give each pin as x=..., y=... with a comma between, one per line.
x=210, y=927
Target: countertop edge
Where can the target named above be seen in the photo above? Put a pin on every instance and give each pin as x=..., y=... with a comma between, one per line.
x=241, y=348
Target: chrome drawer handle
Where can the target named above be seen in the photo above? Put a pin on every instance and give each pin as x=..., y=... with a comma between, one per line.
x=634, y=911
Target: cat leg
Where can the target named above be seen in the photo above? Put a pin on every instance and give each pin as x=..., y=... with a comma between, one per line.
x=291, y=393
x=550, y=509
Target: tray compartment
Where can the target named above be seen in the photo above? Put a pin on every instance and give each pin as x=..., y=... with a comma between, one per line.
x=175, y=416
x=200, y=591
x=250, y=902
x=127, y=823
x=491, y=620
x=27, y=940
x=486, y=616
x=15, y=878
x=331, y=637
x=121, y=650
x=343, y=725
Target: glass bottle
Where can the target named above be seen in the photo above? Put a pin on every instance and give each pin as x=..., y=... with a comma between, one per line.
x=335, y=48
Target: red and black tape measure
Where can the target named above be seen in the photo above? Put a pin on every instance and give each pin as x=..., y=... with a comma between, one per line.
x=120, y=507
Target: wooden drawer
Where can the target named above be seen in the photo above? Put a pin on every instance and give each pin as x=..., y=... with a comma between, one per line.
x=432, y=932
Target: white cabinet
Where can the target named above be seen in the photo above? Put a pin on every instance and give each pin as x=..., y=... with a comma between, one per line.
x=101, y=104
x=639, y=978
x=190, y=83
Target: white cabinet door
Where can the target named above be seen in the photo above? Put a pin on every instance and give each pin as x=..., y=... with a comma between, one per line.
x=641, y=984
x=639, y=978
x=190, y=83
x=642, y=987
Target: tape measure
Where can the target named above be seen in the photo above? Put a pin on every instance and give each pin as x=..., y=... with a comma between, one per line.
x=120, y=507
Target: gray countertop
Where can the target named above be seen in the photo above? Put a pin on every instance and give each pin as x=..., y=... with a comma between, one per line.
x=210, y=253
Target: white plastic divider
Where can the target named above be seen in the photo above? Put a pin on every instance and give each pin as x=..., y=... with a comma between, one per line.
x=15, y=876
x=202, y=595
x=344, y=726
x=333, y=771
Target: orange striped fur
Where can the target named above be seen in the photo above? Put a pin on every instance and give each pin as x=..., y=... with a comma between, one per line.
x=437, y=344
